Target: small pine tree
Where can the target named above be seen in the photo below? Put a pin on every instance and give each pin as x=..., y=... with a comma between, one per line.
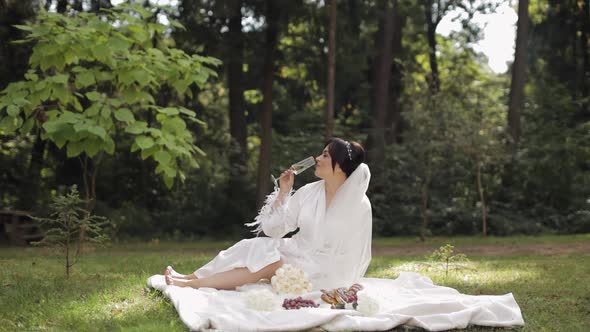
x=67, y=221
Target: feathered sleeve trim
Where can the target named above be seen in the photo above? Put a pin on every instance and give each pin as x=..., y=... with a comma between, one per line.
x=269, y=210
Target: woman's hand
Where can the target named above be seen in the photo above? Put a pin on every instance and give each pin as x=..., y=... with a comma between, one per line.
x=286, y=181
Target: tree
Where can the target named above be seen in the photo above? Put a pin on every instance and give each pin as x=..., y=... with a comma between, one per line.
x=235, y=83
x=68, y=222
x=91, y=81
x=273, y=13
x=329, y=111
x=393, y=118
x=516, y=100
x=381, y=80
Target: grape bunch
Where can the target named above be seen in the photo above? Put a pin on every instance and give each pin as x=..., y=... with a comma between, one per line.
x=298, y=303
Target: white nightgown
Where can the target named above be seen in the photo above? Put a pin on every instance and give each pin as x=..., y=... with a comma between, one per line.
x=333, y=245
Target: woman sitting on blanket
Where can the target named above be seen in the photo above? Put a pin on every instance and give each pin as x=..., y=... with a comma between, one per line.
x=333, y=244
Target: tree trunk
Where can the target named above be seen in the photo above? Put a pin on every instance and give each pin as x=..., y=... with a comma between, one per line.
x=393, y=119
x=96, y=5
x=62, y=5
x=516, y=101
x=329, y=111
x=272, y=17
x=381, y=76
x=89, y=169
x=425, y=193
x=237, y=119
x=585, y=72
x=431, y=24
x=29, y=195
x=484, y=226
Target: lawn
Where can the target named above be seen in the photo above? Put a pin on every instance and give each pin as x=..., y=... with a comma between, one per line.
x=107, y=289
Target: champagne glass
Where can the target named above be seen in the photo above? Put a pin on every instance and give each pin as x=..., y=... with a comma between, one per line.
x=297, y=168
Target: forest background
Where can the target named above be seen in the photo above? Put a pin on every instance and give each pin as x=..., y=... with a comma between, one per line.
x=171, y=118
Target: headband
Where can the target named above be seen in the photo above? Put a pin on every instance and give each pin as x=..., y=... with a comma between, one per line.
x=349, y=150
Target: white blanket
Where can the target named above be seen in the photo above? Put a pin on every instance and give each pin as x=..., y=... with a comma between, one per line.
x=411, y=299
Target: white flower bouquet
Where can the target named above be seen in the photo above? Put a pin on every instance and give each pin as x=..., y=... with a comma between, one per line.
x=290, y=280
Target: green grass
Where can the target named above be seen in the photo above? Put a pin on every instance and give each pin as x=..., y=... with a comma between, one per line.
x=107, y=290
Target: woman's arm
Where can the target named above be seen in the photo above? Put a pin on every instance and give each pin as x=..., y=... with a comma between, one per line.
x=280, y=212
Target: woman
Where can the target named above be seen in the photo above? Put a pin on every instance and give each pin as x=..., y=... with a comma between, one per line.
x=333, y=245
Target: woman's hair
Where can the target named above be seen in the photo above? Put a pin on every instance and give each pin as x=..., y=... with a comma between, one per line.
x=346, y=154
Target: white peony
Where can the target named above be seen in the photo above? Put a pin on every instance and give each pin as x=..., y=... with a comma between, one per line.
x=366, y=304
x=290, y=280
x=261, y=300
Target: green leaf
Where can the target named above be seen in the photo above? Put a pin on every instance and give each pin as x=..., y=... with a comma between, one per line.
x=54, y=126
x=109, y=145
x=162, y=157
x=101, y=52
x=9, y=124
x=124, y=115
x=12, y=110
x=177, y=24
x=168, y=181
x=141, y=76
x=137, y=127
x=23, y=27
x=144, y=142
x=81, y=126
x=74, y=149
x=61, y=78
x=32, y=76
x=29, y=123
x=98, y=131
x=148, y=152
x=90, y=147
x=200, y=122
x=168, y=110
x=93, y=96
x=175, y=124
x=187, y=112
x=93, y=110
x=84, y=79
x=60, y=92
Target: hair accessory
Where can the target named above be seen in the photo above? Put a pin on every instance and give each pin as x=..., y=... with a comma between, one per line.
x=349, y=150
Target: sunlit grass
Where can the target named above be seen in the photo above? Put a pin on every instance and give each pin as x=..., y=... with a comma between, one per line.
x=107, y=290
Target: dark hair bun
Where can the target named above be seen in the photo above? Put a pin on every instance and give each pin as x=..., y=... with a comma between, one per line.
x=349, y=155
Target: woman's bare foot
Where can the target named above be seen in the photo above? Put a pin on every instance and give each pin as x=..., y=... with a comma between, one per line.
x=170, y=271
x=170, y=281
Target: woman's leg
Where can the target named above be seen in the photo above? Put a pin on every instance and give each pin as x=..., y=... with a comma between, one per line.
x=229, y=279
x=169, y=271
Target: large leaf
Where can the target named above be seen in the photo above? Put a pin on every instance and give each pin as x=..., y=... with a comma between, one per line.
x=124, y=115
x=74, y=149
x=84, y=79
x=12, y=110
x=93, y=96
x=9, y=124
x=98, y=131
x=137, y=127
x=162, y=157
x=144, y=142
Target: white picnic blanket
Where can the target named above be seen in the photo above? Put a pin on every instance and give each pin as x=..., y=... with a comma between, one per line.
x=411, y=299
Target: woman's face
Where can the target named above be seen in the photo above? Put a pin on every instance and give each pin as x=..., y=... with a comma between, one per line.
x=323, y=165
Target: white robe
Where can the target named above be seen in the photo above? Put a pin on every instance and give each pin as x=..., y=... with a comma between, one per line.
x=333, y=245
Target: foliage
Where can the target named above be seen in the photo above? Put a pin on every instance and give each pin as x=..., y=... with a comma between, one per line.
x=68, y=221
x=450, y=169
x=96, y=78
